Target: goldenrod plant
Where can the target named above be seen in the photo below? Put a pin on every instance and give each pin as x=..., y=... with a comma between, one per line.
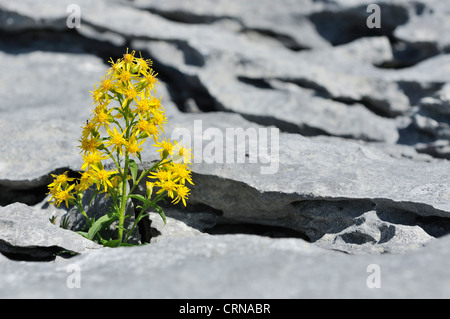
x=117, y=133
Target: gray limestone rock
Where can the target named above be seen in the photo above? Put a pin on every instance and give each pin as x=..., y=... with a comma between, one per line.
x=439, y=102
x=371, y=179
x=45, y=101
x=27, y=234
x=174, y=228
x=232, y=266
x=427, y=30
x=320, y=188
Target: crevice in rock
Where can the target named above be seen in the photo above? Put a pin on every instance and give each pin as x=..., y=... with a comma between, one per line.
x=330, y=222
x=183, y=16
x=33, y=253
x=184, y=88
x=406, y=54
x=284, y=126
x=256, y=82
x=358, y=238
x=378, y=107
x=340, y=26
x=415, y=91
x=256, y=229
x=284, y=39
x=435, y=226
x=67, y=41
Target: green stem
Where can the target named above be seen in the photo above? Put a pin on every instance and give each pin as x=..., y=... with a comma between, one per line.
x=124, y=198
x=124, y=194
x=143, y=174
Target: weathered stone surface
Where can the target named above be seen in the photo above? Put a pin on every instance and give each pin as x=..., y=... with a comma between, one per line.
x=321, y=188
x=27, y=233
x=370, y=178
x=286, y=22
x=429, y=28
x=439, y=102
x=233, y=266
x=46, y=99
x=174, y=228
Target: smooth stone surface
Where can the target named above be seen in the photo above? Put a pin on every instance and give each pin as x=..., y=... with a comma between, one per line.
x=233, y=266
x=28, y=232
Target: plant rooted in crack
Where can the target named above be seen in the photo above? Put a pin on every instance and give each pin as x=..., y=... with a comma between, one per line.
x=117, y=133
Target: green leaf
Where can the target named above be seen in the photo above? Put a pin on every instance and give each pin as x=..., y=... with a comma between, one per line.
x=83, y=233
x=98, y=225
x=138, y=219
x=112, y=243
x=133, y=169
x=139, y=197
x=160, y=211
x=93, y=197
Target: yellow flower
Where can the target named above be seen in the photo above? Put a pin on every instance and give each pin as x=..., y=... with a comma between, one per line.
x=160, y=174
x=98, y=95
x=115, y=67
x=60, y=180
x=106, y=84
x=89, y=145
x=149, y=128
x=166, y=148
x=168, y=186
x=88, y=129
x=143, y=105
x=182, y=194
x=159, y=118
x=102, y=177
x=182, y=172
x=102, y=117
x=85, y=181
x=133, y=147
x=151, y=79
x=91, y=159
x=120, y=131
x=116, y=140
x=130, y=93
x=125, y=76
x=128, y=58
x=143, y=66
x=63, y=195
x=181, y=154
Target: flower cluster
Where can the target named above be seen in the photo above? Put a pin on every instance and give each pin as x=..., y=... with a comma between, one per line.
x=118, y=132
x=60, y=189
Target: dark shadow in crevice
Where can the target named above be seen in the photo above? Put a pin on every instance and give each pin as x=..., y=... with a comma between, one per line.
x=65, y=41
x=256, y=82
x=183, y=16
x=435, y=226
x=284, y=126
x=256, y=229
x=406, y=55
x=285, y=40
x=34, y=253
x=342, y=26
x=415, y=91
